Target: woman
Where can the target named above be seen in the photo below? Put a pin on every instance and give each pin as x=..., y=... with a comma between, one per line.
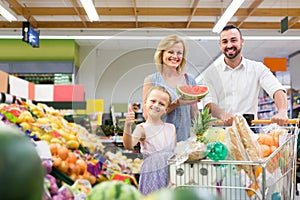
x=170, y=59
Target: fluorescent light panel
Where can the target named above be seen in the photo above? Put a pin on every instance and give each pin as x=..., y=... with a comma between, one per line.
x=90, y=10
x=227, y=15
x=7, y=13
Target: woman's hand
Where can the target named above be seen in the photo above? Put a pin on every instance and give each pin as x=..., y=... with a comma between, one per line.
x=181, y=102
x=184, y=102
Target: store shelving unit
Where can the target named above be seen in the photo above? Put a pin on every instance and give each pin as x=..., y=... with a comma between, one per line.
x=295, y=104
x=266, y=108
x=48, y=78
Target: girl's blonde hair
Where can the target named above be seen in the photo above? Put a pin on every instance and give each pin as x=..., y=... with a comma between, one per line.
x=160, y=88
x=165, y=44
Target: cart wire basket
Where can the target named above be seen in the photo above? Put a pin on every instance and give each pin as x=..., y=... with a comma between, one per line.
x=223, y=180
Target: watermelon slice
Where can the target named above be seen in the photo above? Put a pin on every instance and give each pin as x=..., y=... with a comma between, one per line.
x=191, y=92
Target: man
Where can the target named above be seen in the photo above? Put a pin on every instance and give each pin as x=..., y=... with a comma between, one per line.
x=235, y=82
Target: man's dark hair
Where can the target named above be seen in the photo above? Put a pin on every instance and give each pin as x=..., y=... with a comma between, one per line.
x=230, y=26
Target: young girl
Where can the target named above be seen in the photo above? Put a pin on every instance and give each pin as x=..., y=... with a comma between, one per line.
x=157, y=139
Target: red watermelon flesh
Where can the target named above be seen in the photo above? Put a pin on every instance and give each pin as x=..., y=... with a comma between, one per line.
x=190, y=92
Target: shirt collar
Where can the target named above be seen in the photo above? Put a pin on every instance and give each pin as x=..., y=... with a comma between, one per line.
x=224, y=66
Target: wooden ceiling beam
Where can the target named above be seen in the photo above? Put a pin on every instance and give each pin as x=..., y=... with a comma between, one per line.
x=194, y=8
x=19, y=10
x=128, y=11
x=135, y=14
x=251, y=9
x=131, y=24
x=293, y=21
x=76, y=8
x=15, y=6
x=270, y=12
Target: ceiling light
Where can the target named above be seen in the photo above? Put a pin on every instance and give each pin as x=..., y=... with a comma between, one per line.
x=90, y=10
x=7, y=13
x=227, y=15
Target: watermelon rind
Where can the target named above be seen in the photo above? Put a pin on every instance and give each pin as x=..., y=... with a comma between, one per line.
x=188, y=96
x=114, y=190
x=181, y=193
x=21, y=171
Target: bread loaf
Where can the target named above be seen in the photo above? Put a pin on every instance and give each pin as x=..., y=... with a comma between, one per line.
x=251, y=146
x=238, y=153
x=245, y=135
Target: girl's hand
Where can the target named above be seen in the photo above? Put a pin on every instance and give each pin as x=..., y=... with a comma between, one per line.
x=130, y=117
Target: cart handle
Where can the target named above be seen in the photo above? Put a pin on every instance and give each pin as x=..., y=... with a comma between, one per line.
x=262, y=121
x=268, y=121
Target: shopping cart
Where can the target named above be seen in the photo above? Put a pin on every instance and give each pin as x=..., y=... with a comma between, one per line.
x=222, y=178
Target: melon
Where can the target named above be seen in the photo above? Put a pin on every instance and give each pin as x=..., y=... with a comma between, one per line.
x=195, y=193
x=191, y=92
x=21, y=170
x=214, y=134
x=181, y=193
x=161, y=194
x=112, y=190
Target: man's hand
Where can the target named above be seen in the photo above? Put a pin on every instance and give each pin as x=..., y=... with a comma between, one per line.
x=217, y=112
x=280, y=118
x=227, y=119
x=280, y=100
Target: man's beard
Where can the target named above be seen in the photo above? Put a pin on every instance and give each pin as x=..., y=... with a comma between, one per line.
x=232, y=56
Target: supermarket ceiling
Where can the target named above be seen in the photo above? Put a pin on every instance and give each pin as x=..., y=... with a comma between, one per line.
x=148, y=17
x=175, y=14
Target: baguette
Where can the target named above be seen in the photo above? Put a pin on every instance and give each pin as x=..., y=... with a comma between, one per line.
x=238, y=153
x=252, y=147
x=245, y=135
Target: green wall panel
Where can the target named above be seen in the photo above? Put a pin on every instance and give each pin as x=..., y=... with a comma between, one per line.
x=49, y=50
x=76, y=56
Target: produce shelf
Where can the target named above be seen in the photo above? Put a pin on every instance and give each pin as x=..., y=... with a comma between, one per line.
x=61, y=176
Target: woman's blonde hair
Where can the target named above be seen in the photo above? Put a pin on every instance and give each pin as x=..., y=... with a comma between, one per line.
x=165, y=44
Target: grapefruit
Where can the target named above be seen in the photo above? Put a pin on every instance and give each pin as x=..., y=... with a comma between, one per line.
x=21, y=170
x=190, y=92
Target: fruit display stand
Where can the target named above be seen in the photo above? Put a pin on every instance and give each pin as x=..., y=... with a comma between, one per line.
x=80, y=119
x=78, y=160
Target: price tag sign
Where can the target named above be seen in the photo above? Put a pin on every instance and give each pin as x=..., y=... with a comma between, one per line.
x=43, y=149
x=284, y=25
